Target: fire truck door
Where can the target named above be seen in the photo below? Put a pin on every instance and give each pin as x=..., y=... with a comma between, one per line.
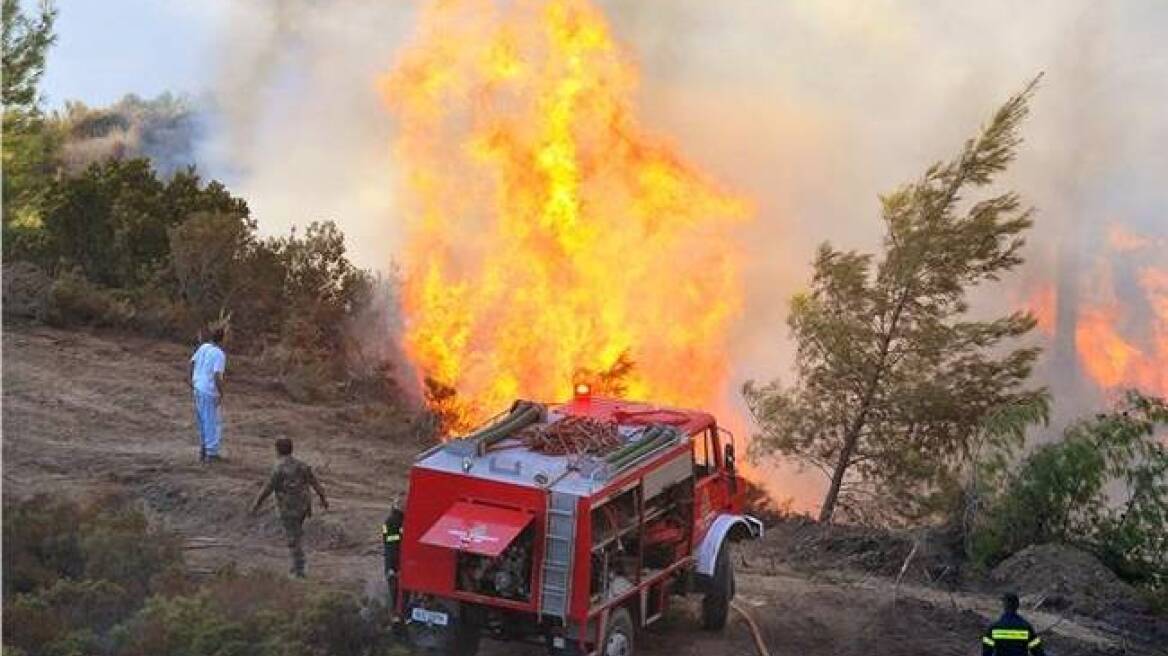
x=710, y=494
x=476, y=528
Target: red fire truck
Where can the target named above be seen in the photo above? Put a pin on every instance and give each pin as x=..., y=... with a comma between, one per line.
x=574, y=550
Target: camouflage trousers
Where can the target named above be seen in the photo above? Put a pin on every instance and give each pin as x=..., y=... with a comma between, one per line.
x=294, y=532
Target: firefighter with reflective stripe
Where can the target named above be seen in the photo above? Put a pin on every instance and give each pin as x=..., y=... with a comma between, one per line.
x=1011, y=635
x=391, y=534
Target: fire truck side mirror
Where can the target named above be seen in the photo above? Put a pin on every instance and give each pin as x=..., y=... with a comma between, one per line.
x=728, y=459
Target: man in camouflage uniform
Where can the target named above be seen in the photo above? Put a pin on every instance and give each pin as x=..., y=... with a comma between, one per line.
x=291, y=480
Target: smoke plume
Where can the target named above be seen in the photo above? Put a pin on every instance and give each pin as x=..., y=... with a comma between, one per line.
x=166, y=129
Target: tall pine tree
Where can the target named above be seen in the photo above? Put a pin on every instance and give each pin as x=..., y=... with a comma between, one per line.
x=892, y=377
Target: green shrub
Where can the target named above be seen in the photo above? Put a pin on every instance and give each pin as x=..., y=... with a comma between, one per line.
x=112, y=220
x=119, y=546
x=42, y=544
x=95, y=579
x=181, y=626
x=29, y=622
x=82, y=642
x=1104, y=487
x=74, y=300
x=47, y=541
x=334, y=624
x=253, y=613
x=88, y=603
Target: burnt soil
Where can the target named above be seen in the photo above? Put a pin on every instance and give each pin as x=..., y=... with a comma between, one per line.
x=87, y=414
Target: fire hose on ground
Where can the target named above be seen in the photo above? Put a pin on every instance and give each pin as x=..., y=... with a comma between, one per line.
x=754, y=630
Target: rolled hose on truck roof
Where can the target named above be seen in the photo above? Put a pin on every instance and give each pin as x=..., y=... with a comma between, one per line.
x=655, y=436
x=522, y=415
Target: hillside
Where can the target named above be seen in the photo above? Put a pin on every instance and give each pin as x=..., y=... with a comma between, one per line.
x=86, y=414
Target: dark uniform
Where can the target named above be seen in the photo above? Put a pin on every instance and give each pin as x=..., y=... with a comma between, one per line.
x=391, y=533
x=1011, y=636
x=292, y=481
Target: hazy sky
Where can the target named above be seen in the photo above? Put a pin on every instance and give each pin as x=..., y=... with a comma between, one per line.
x=109, y=48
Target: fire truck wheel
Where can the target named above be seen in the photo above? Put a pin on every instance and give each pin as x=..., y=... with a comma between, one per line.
x=716, y=603
x=465, y=638
x=618, y=636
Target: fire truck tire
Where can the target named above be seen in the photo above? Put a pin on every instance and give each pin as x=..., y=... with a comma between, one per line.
x=464, y=640
x=618, y=635
x=716, y=602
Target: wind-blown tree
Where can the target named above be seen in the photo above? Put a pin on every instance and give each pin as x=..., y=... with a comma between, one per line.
x=892, y=377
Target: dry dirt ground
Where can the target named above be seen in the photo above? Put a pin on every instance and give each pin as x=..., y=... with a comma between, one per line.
x=85, y=414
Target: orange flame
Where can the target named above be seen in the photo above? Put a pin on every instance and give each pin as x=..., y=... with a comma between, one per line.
x=1115, y=360
x=548, y=234
x=1043, y=304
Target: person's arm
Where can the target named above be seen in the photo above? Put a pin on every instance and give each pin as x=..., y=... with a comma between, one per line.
x=220, y=368
x=264, y=494
x=987, y=643
x=319, y=490
x=1035, y=644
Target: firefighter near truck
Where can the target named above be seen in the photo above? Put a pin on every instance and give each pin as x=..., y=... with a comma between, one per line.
x=570, y=525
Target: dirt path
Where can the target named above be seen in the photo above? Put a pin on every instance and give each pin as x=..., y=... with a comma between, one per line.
x=87, y=414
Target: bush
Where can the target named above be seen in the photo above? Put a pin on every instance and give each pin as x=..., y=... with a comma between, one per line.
x=83, y=580
x=1104, y=487
x=47, y=541
x=74, y=300
x=42, y=544
x=26, y=290
x=72, y=572
x=113, y=219
x=337, y=624
x=254, y=613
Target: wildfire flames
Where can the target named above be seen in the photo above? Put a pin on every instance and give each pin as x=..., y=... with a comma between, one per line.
x=550, y=238
x=1112, y=359
x=1119, y=345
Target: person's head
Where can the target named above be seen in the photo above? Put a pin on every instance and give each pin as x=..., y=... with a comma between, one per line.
x=283, y=447
x=1010, y=602
x=218, y=334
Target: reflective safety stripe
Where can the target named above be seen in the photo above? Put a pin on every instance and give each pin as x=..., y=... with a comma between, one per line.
x=1010, y=634
x=392, y=538
x=1034, y=643
x=988, y=641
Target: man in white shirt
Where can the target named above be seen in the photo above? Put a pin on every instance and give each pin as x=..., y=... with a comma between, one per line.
x=207, y=367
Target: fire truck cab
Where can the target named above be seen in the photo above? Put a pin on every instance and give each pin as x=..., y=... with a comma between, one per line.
x=572, y=550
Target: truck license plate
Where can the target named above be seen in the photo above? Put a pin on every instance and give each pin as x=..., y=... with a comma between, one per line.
x=429, y=616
